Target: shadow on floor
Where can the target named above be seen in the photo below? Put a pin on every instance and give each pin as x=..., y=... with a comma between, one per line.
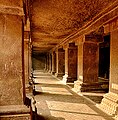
x=96, y=99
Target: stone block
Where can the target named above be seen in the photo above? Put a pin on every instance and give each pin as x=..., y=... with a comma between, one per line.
x=15, y=112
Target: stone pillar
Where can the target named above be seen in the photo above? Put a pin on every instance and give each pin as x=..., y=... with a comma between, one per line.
x=26, y=40
x=12, y=84
x=88, y=60
x=53, y=62
x=50, y=63
x=109, y=103
x=70, y=63
x=47, y=62
x=27, y=51
x=60, y=62
x=30, y=70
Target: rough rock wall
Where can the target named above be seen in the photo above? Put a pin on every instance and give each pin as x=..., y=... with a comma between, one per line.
x=38, y=61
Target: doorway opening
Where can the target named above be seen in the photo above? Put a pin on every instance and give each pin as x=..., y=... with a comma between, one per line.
x=104, y=63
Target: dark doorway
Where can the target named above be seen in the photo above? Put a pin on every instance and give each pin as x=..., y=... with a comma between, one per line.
x=38, y=61
x=104, y=61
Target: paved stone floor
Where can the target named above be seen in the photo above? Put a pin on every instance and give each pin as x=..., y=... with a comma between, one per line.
x=56, y=101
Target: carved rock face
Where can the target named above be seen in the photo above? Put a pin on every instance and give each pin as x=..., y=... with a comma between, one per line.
x=56, y=19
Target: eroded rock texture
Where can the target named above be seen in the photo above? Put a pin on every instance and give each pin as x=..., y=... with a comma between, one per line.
x=55, y=19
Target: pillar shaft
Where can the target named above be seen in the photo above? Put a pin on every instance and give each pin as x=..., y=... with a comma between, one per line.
x=50, y=63
x=88, y=53
x=11, y=60
x=109, y=103
x=60, y=63
x=12, y=82
x=70, y=63
x=30, y=60
x=26, y=60
x=53, y=62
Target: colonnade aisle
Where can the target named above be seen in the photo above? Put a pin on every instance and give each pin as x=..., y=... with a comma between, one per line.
x=56, y=101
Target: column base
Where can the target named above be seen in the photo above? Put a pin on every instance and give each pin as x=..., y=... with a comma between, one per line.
x=67, y=79
x=53, y=73
x=109, y=104
x=59, y=74
x=15, y=112
x=49, y=71
x=84, y=87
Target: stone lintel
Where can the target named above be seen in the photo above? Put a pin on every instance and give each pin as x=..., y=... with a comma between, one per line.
x=59, y=50
x=111, y=26
x=69, y=45
x=66, y=46
x=95, y=36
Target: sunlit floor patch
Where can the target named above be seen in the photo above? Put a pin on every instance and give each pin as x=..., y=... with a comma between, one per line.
x=67, y=107
x=55, y=90
x=56, y=101
x=75, y=116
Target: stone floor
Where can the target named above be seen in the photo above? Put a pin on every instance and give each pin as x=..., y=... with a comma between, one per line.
x=56, y=101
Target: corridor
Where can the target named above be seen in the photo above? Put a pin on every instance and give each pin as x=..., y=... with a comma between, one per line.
x=56, y=101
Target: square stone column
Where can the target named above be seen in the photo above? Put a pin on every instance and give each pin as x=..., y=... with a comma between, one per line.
x=70, y=63
x=26, y=57
x=50, y=63
x=60, y=62
x=47, y=62
x=30, y=69
x=109, y=103
x=88, y=54
x=53, y=63
x=12, y=84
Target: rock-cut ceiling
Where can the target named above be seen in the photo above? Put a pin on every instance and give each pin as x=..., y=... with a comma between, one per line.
x=54, y=20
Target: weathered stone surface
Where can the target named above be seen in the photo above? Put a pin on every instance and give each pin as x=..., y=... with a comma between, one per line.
x=109, y=103
x=90, y=62
x=70, y=63
x=10, y=2
x=60, y=62
x=11, y=60
x=15, y=112
x=56, y=20
x=26, y=61
x=87, y=67
x=19, y=117
x=39, y=61
x=53, y=62
x=114, y=62
x=14, y=109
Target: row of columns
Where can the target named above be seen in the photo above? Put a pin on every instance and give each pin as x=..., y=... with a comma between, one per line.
x=79, y=63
